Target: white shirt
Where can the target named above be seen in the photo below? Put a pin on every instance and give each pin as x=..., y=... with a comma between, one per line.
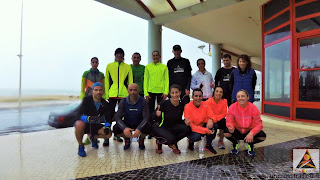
x=205, y=79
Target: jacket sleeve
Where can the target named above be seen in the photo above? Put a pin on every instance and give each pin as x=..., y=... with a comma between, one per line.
x=194, y=83
x=166, y=81
x=224, y=110
x=82, y=91
x=130, y=80
x=257, y=121
x=210, y=105
x=102, y=81
x=199, y=129
x=189, y=75
x=210, y=115
x=107, y=115
x=230, y=118
x=106, y=84
x=254, y=80
x=146, y=81
x=145, y=115
x=186, y=112
x=120, y=114
x=217, y=78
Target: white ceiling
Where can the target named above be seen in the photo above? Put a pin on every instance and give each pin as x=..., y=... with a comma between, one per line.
x=235, y=24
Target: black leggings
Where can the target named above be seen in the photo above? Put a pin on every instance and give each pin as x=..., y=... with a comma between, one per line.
x=170, y=135
x=152, y=100
x=237, y=135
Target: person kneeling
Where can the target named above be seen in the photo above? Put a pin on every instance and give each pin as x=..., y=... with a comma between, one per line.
x=93, y=110
x=200, y=118
x=244, y=123
x=132, y=115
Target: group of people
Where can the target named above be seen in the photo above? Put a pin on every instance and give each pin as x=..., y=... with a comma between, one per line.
x=137, y=88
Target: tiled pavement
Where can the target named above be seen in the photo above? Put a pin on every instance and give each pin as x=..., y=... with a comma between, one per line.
x=271, y=162
x=53, y=155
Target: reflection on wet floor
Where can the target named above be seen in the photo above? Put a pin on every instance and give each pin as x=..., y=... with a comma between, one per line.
x=271, y=161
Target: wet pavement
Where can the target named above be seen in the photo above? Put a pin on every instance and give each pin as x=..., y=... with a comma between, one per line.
x=270, y=162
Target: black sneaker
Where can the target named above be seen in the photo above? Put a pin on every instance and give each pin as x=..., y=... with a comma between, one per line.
x=106, y=142
x=191, y=146
x=141, y=144
x=117, y=138
x=210, y=149
x=126, y=143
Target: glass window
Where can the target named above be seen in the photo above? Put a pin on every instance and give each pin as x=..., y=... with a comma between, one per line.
x=285, y=17
x=307, y=9
x=309, y=86
x=274, y=7
x=308, y=24
x=278, y=34
x=310, y=53
x=277, y=72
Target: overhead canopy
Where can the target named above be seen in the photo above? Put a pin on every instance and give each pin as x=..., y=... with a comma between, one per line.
x=235, y=24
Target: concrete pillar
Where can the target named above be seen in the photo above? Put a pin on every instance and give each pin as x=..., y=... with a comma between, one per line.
x=216, y=58
x=154, y=39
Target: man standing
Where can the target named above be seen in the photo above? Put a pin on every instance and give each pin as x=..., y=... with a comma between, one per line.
x=202, y=79
x=222, y=77
x=93, y=110
x=180, y=73
x=118, y=77
x=137, y=71
x=156, y=81
x=133, y=115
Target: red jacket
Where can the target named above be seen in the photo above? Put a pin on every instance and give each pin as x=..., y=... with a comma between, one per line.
x=198, y=117
x=219, y=110
x=244, y=119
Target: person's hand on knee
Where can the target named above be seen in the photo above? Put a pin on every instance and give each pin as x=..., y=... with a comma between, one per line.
x=127, y=132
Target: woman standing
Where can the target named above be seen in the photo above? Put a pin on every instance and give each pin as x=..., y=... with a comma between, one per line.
x=168, y=127
x=244, y=123
x=244, y=77
x=219, y=107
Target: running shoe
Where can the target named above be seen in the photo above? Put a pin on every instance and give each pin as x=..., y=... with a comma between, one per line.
x=126, y=143
x=250, y=150
x=117, y=138
x=81, y=151
x=94, y=143
x=175, y=149
x=106, y=142
x=210, y=149
x=235, y=148
x=158, y=148
x=141, y=143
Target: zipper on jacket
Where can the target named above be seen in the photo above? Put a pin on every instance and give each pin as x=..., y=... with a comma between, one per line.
x=118, y=78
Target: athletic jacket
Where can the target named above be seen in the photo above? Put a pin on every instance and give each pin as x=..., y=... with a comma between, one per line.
x=118, y=78
x=198, y=117
x=219, y=110
x=204, y=79
x=88, y=79
x=132, y=115
x=88, y=108
x=245, y=120
x=156, y=79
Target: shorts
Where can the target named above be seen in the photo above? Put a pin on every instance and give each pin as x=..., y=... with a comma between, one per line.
x=92, y=128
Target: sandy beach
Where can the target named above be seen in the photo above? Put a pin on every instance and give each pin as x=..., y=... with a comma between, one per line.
x=38, y=98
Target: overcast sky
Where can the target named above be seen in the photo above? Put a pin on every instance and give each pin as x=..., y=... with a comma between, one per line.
x=61, y=36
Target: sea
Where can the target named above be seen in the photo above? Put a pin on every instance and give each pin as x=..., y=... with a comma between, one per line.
x=26, y=92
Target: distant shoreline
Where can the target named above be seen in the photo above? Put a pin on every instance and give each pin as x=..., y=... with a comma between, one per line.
x=38, y=98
